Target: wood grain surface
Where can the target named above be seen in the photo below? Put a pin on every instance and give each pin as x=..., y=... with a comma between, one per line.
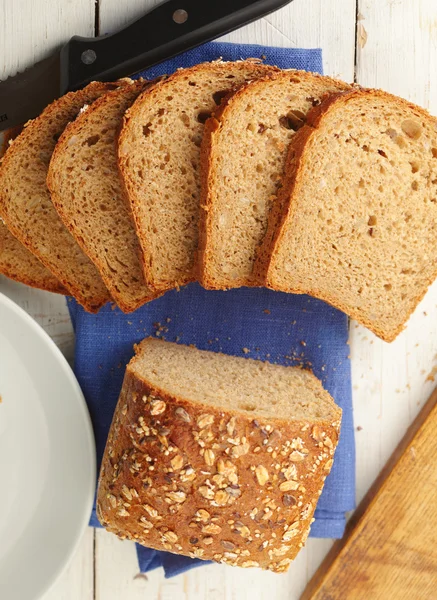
x=387, y=43
x=390, y=547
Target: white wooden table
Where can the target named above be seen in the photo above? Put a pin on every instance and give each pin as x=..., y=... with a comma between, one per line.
x=390, y=44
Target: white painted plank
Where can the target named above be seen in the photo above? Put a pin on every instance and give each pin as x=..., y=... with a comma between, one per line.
x=400, y=54
x=77, y=582
x=117, y=573
x=391, y=383
x=49, y=310
x=118, y=577
x=328, y=25
x=29, y=31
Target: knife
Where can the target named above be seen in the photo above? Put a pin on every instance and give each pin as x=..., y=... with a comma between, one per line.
x=169, y=29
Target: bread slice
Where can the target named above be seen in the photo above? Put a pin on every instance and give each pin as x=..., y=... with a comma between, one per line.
x=16, y=262
x=26, y=206
x=255, y=126
x=87, y=192
x=216, y=457
x=159, y=156
x=356, y=222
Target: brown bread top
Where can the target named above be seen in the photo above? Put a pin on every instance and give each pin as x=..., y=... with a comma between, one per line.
x=159, y=158
x=243, y=155
x=225, y=479
x=87, y=192
x=18, y=263
x=356, y=220
x=26, y=206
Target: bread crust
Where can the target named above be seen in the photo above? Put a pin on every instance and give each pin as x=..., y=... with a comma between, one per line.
x=158, y=290
x=100, y=294
x=212, y=125
x=286, y=206
x=211, y=483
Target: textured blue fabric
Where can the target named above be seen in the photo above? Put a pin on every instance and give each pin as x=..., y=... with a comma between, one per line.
x=281, y=328
x=285, y=58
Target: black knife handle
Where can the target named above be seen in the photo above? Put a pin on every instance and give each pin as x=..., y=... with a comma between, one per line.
x=167, y=30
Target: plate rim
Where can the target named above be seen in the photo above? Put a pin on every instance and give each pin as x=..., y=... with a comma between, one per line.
x=83, y=409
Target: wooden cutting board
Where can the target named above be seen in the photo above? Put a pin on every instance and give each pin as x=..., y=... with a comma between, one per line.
x=389, y=551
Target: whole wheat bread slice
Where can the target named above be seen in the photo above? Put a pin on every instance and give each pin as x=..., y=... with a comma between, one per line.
x=356, y=222
x=159, y=157
x=26, y=206
x=87, y=192
x=254, y=126
x=18, y=263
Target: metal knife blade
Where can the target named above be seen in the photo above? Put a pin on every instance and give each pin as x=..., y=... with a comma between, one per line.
x=26, y=94
x=169, y=29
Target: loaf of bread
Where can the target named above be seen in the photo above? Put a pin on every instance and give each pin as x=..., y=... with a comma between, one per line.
x=26, y=206
x=216, y=457
x=159, y=158
x=356, y=221
x=254, y=126
x=87, y=192
x=19, y=264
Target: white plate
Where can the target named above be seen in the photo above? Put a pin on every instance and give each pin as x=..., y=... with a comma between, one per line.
x=47, y=458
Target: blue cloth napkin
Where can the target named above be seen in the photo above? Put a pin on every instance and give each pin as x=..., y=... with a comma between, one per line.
x=273, y=326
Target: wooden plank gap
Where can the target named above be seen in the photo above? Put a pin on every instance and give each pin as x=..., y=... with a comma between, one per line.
x=96, y=17
x=94, y=564
x=357, y=23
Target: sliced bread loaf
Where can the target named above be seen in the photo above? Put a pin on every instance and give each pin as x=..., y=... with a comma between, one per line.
x=356, y=221
x=18, y=263
x=159, y=157
x=255, y=125
x=26, y=206
x=87, y=192
x=216, y=457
